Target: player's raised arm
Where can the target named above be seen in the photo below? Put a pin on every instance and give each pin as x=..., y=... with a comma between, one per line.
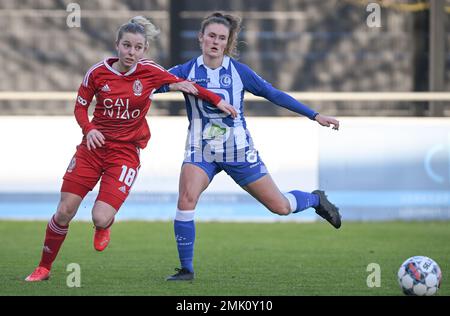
x=177, y=84
x=184, y=86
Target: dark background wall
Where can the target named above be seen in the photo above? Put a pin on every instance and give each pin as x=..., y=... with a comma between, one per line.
x=297, y=45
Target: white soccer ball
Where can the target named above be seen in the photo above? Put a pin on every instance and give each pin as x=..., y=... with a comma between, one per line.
x=419, y=276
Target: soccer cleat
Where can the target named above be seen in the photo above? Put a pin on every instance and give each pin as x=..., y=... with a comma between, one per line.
x=102, y=238
x=182, y=274
x=39, y=274
x=327, y=210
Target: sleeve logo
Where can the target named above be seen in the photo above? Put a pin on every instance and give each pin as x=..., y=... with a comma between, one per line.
x=82, y=101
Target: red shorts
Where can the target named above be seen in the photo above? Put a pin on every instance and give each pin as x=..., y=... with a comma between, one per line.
x=115, y=164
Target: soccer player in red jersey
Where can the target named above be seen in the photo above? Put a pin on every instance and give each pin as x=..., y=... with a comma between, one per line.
x=109, y=152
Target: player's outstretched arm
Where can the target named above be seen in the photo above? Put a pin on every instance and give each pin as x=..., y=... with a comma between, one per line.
x=184, y=86
x=191, y=88
x=226, y=107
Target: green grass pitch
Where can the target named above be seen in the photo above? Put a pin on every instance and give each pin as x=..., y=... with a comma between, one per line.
x=270, y=259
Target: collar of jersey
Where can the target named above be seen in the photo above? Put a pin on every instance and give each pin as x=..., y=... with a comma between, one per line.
x=110, y=68
x=225, y=61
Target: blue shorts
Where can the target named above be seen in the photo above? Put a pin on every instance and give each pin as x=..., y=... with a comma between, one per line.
x=243, y=172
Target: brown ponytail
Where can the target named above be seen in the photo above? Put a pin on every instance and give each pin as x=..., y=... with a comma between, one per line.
x=233, y=23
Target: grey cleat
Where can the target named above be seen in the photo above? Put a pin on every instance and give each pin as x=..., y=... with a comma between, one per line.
x=182, y=274
x=327, y=210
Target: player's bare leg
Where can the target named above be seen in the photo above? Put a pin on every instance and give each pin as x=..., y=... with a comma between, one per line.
x=193, y=181
x=67, y=208
x=55, y=234
x=103, y=217
x=266, y=191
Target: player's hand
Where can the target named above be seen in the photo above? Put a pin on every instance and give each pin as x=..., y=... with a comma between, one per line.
x=226, y=107
x=184, y=86
x=95, y=139
x=327, y=121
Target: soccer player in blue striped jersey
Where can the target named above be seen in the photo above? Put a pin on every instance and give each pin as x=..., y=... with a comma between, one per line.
x=217, y=141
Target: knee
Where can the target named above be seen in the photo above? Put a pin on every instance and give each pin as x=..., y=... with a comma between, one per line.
x=101, y=220
x=65, y=212
x=281, y=209
x=187, y=201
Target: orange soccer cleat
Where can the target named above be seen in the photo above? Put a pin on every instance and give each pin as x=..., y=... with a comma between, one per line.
x=102, y=238
x=39, y=274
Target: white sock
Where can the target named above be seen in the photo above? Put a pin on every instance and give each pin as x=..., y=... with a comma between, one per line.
x=184, y=216
x=292, y=201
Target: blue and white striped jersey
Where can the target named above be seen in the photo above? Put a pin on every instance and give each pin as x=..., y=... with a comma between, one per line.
x=231, y=80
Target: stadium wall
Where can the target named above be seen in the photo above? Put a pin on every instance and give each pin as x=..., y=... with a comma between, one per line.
x=42, y=147
x=373, y=168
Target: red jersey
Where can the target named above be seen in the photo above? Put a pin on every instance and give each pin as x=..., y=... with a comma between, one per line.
x=123, y=99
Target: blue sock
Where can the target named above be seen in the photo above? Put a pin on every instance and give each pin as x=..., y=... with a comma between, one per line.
x=303, y=200
x=185, y=237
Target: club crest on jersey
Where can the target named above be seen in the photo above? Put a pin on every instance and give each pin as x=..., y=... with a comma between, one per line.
x=72, y=165
x=225, y=81
x=137, y=87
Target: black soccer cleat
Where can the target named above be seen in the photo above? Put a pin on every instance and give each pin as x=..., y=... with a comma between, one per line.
x=182, y=274
x=327, y=210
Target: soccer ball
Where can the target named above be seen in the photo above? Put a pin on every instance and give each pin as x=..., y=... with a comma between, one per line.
x=419, y=276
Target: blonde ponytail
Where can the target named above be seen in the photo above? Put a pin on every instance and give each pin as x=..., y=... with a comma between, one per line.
x=151, y=32
x=139, y=25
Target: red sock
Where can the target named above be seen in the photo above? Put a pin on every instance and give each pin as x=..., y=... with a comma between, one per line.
x=54, y=237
